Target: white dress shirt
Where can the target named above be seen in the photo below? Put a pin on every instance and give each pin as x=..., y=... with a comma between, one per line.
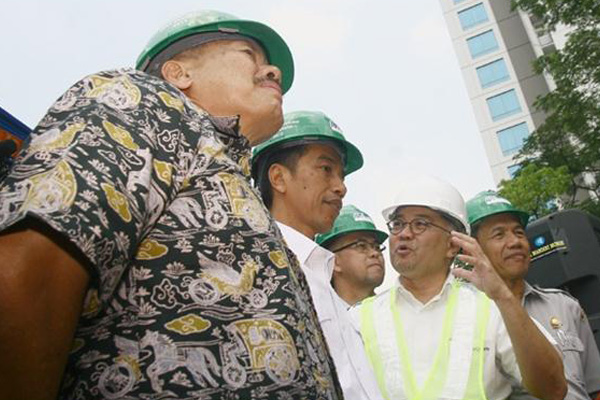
x=422, y=327
x=341, y=333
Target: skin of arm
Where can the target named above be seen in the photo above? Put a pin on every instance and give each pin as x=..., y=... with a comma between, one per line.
x=42, y=287
x=539, y=362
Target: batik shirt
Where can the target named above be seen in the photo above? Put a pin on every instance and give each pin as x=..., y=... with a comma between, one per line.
x=193, y=293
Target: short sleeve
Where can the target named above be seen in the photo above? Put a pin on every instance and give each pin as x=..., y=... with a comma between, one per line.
x=506, y=354
x=101, y=166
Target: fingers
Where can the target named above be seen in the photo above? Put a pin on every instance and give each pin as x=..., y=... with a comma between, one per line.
x=468, y=259
x=463, y=273
x=465, y=242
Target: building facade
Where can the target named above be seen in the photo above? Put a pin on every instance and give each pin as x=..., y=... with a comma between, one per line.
x=495, y=47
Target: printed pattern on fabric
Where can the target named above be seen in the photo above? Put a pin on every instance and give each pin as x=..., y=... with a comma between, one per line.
x=194, y=293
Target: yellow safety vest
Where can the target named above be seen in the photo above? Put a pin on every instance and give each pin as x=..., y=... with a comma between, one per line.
x=436, y=380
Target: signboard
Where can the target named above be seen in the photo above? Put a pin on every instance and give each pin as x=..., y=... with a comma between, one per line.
x=545, y=244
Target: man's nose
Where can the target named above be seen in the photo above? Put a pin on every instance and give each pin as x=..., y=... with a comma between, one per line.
x=340, y=187
x=272, y=73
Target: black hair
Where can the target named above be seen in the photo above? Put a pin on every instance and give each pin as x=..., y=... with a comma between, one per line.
x=288, y=157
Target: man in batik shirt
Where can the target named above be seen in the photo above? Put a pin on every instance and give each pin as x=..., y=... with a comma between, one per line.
x=137, y=261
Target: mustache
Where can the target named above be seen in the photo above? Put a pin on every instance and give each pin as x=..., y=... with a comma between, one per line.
x=266, y=78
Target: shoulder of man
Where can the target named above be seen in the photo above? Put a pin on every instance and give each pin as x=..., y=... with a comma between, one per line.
x=555, y=293
x=563, y=297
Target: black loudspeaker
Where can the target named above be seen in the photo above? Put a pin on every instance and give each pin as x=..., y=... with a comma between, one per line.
x=565, y=254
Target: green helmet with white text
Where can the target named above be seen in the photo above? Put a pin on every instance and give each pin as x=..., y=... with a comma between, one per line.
x=351, y=219
x=307, y=127
x=488, y=203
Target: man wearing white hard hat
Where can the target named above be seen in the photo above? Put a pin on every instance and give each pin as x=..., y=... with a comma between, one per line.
x=442, y=335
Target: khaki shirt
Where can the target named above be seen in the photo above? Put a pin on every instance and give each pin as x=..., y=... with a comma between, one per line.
x=562, y=316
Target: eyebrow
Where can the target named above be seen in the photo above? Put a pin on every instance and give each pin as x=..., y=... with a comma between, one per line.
x=327, y=158
x=256, y=48
x=497, y=229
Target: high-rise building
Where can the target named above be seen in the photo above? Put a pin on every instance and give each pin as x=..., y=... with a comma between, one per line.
x=495, y=47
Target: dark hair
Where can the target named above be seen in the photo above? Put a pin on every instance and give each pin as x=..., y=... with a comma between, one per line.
x=288, y=157
x=475, y=229
x=456, y=224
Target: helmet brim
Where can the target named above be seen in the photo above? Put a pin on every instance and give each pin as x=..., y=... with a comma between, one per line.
x=380, y=236
x=522, y=216
x=353, y=157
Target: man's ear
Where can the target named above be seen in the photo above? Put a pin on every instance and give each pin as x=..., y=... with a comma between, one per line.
x=337, y=267
x=175, y=72
x=278, y=177
x=453, y=250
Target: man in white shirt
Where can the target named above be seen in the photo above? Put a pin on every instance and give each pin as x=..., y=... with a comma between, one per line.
x=300, y=173
x=435, y=336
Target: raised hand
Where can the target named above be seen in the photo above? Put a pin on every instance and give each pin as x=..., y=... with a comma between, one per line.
x=483, y=275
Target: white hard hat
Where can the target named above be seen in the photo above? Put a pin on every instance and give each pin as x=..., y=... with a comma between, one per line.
x=431, y=192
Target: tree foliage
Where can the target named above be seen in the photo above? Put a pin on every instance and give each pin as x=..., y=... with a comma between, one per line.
x=535, y=189
x=570, y=135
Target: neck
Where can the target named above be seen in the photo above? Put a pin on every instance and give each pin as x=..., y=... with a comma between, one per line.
x=424, y=288
x=516, y=286
x=351, y=294
x=281, y=214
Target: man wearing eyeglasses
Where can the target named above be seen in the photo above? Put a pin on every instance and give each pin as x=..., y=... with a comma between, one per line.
x=300, y=174
x=434, y=336
x=357, y=244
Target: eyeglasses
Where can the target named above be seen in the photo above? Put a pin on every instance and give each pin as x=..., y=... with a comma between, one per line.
x=362, y=247
x=417, y=226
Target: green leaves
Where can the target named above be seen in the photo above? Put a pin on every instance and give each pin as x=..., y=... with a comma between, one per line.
x=535, y=189
x=568, y=142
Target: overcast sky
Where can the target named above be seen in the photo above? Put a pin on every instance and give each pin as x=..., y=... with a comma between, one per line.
x=384, y=71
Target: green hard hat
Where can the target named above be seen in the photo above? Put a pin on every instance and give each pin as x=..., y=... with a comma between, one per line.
x=205, y=22
x=351, y=219
x=489, y=203
x=306, y=127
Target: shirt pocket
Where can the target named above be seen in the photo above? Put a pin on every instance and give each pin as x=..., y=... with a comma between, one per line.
x=570, y=342
x=573, y=350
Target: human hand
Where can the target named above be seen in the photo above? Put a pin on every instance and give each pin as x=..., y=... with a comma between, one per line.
x=482, y=275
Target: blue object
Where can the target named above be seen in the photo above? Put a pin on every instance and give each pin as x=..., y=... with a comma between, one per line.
x=539, y=241
x=472, y=16
x=492, y=73
x=482, y=44
x=512, y=139
x=503, y=105
x=13, y=125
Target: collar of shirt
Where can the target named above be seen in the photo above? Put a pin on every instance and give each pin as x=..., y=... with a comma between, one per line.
x=411, y=299
x=313, y=257
x=529, y=290
x=237, y=145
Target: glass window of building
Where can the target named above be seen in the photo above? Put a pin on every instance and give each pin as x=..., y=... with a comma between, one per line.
x=511, y=139
x=513, y=169
x=457, y=1
x=472, y=16
x=503, y=105
x=483, y=43
x=492, y=73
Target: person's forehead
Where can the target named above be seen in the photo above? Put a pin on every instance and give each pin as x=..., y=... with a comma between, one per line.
x=235, y=43
x=500, y=221
x=410, y=212
x=324, y=151
x=358, y=235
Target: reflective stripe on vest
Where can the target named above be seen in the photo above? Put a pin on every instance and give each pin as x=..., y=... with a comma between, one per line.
x=436, y=380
